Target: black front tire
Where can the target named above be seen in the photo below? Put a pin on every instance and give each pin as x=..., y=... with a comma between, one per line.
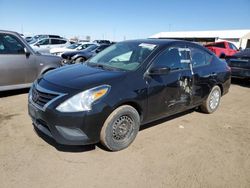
x=120, y=128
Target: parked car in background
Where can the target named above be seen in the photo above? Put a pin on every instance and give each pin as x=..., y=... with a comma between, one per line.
x=240, y=64
x=20, y=65
x=222, y=49
x=42, y=36
x=129, y=84
x=44, y=45
x=83, y=55
x=46, y=36
x=102, y=41
x=72, y=47
x=28, y=39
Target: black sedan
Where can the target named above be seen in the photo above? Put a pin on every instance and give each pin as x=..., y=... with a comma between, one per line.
x=129, y=84
x=240, y=64
x=83, y=55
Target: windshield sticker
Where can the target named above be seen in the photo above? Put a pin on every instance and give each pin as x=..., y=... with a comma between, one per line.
x=148, y=46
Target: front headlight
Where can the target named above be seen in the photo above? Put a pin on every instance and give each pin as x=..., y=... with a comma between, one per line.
x=83, y=101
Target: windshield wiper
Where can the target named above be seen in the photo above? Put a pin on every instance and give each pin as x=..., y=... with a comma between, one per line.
x=103, y=66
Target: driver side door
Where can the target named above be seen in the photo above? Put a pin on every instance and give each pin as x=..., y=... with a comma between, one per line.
x=170, y=92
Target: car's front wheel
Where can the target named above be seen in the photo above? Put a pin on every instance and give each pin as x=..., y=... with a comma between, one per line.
x=120, y=128
x=213, y=100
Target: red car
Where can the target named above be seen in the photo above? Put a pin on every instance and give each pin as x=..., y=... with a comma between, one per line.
x=222, y=49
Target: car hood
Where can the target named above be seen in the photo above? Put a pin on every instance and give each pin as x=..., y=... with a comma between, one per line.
x=242, y=54
x=82, y=76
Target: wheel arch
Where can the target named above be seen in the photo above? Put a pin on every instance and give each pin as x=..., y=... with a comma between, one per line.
x=135, y=105
x=47, y=69
x=221, y=88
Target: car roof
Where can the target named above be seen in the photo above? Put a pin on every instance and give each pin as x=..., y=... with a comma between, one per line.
x=159, y=42
x=7, y=31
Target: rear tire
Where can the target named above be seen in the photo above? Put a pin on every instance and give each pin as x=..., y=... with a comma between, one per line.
x=212, y=102
x=120, y=128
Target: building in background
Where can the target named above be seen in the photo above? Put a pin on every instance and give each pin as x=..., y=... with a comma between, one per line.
x=241, y=38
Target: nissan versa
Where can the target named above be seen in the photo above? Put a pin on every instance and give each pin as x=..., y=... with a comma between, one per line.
x=126, y=85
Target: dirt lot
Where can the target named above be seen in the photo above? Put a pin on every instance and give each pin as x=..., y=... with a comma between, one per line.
x=191, y=150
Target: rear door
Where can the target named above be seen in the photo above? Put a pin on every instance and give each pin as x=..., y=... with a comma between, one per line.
x=15, y=65
x=204, y=74
x=170, y=93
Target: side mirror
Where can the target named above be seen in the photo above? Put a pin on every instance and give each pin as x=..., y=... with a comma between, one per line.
x=38, y=45
x=159, y=70
x=27, y=52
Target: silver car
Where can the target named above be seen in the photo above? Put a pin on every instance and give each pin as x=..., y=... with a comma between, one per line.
x=20, y=65
x=44, y=45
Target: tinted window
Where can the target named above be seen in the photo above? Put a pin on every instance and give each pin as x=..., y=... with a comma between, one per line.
x=56, y=41
x=43, y=42
x=174, y=57
x=10, y=45
x=200, y=57
x=219, y=45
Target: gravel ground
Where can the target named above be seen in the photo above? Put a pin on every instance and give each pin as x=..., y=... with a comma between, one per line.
x=189, y=150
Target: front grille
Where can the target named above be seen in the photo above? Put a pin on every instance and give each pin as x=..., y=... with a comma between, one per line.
x=41, y=98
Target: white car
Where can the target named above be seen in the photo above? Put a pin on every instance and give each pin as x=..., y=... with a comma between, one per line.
x=44, y=45
x=72, y=47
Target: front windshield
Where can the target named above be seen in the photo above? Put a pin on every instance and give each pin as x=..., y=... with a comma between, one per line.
x=33, y=41
x=125, y=56
x=73, y=46
x=91, y=47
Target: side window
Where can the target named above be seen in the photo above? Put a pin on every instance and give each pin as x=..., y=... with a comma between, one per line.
x=174, y=57
x=44, y=42
x=56, y=41
x=10, y=45
x=200, y=57
x=220, y=45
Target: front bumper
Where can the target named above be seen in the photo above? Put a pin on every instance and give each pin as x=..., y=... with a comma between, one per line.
x=78, y=128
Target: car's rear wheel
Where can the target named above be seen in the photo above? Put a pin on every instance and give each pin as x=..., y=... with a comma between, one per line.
x=120, y=128
x=212, y=102
x=80, y=60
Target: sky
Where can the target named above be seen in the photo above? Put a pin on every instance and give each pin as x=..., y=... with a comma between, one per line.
x=118, y=20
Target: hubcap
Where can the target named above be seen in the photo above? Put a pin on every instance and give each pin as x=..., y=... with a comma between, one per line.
x=214, y=99
x=122, y=128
